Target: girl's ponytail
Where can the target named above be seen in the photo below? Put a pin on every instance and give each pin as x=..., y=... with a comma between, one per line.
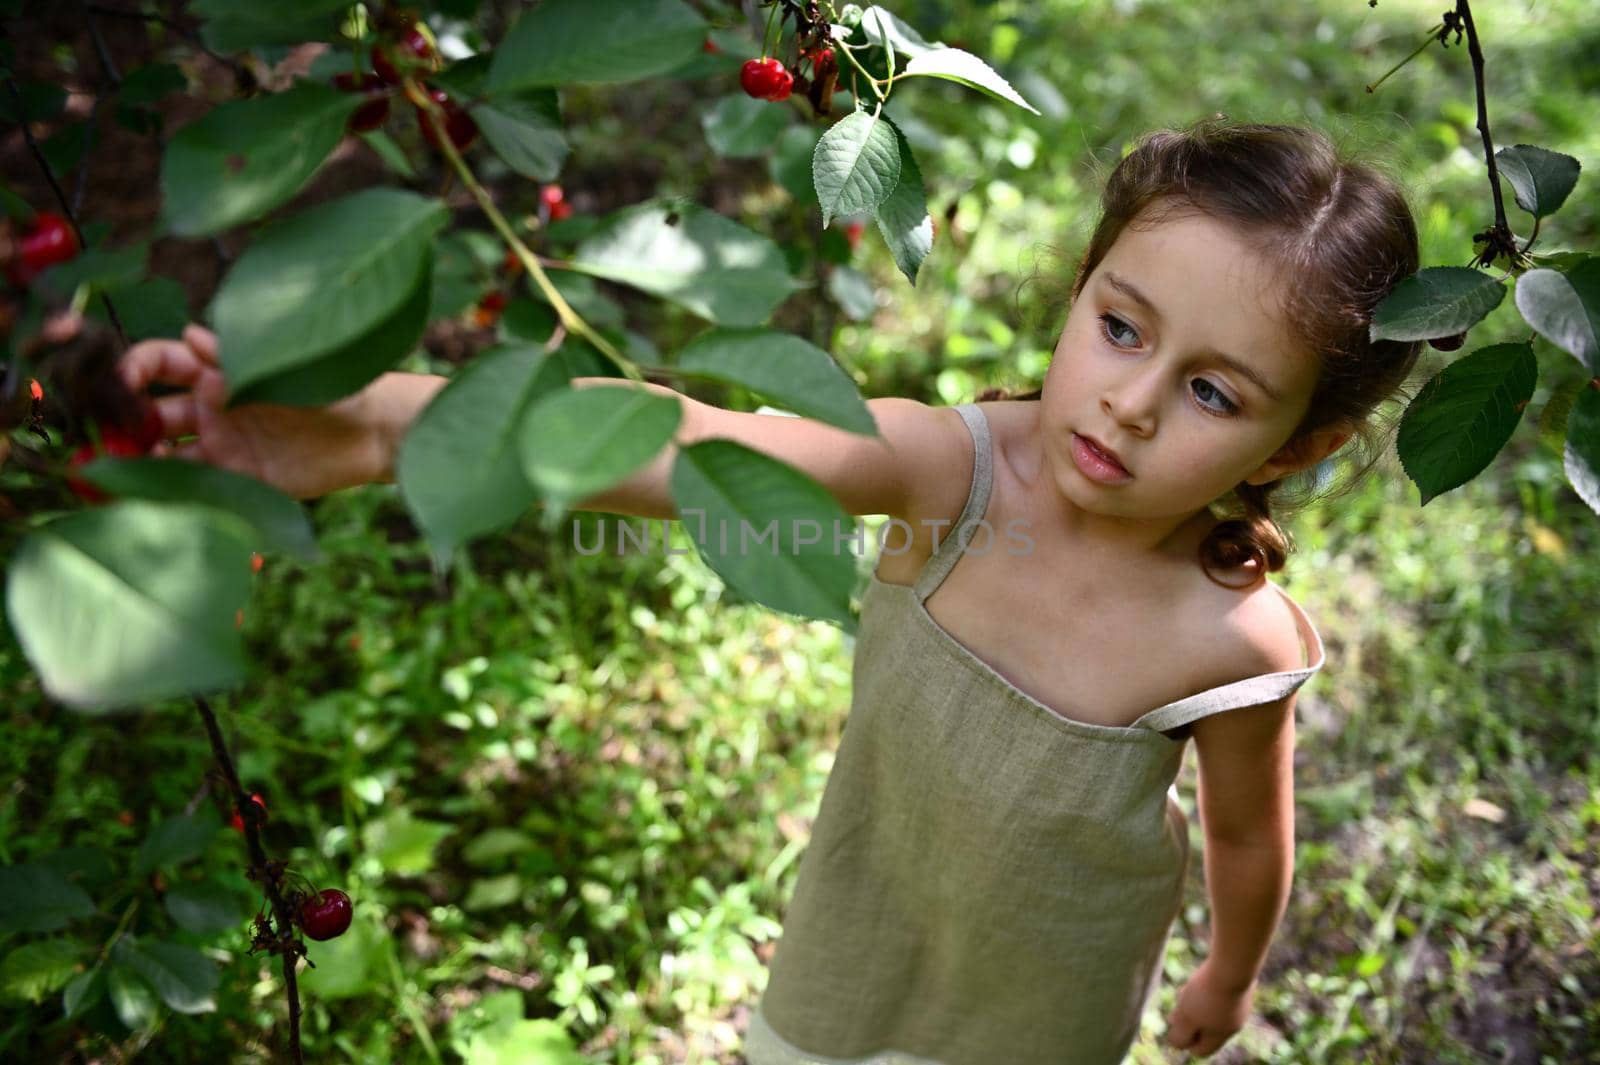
x=1253, y=537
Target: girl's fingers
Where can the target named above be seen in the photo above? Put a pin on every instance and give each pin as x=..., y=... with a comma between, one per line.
x=170, y=362
x=179, y=416
x=202, y=341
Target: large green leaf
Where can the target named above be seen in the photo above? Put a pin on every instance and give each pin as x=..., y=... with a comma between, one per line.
x=748, y=513
x=738, y=126
x=34, y=970
x=246, y=157
x=692, y=256
x=83, y=991
x=525, y=130
x=1440, y=301
x=882, y=25
x=205, y=907
x=1540, y=178
x=576, y=42
x=903, y=217
x=177, y=840
x=348, y=966
x=576, y=442
x=1564, y=308
x=1581, y=456
x=523, y=1042
x=403, y=844
x=131, y=602
x=788, y=371
x=36, y=898
x=1463, y=417
x=231, y=26
x=855, y=166
x=459, y=469
x=131, y=996
x=953, y=64
x=280, y=523
x=323, y=302
x=185, y=979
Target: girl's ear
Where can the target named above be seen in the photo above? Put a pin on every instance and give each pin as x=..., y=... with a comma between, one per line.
x=1300, y=454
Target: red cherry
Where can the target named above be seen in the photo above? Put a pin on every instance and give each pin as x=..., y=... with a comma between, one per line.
x=853, y=231
x=258, y=803
x=35, y=389
x=369, y=116
x=551, y=195
x=256, y=562
x=487, y=312
x=116, y=442
x=411, y=49
x=709, y=47
x=784, y=87
x=560, y=210
x=49, y=240
x=822, y=56
x=764, y=78
x=458, y=125
x=1448, y=343
x=326, y=915
x=147, y=434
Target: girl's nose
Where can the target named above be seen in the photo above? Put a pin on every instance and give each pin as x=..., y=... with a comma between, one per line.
x=1132, y=400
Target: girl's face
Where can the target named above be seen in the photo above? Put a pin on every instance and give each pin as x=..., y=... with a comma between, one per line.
x=1175, y=358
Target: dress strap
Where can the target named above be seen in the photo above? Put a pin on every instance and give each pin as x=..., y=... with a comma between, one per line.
x=1252, y=691
x=954, y=540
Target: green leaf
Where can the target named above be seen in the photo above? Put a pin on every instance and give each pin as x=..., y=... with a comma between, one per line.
x=692, y=256
x=36, y=898
x=856, y=165
x=176, y=840
x=1564, y=308
x=34, y=970
x=131, y=996
x=881, y=25
x=131, y=602
x=245, y=157
x=903, y=217
x=525, y=131
x=784, y=369
x=591, y=42
x=348, y=965
x=155, y=307
x=205, y=907
x=185, y=979
x=323, y=302
x=541, y=1042
x=738, y=126
x=1440, y=301
x=279, y=523
x=790, y=164
x=853, y=292
x=494, y=844
x=576, y=442
x=1581, y=456
x=953, y=64
x=1463, y=417
x=486, y=893
x=459, y=470
x=404, y=844
x=583, y=296
x=729, y=495
x=150, y=84
x=1540, y=178
x=231, y=26
x=83, y=991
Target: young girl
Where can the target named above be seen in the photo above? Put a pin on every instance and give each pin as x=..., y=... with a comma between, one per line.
x=999, y=855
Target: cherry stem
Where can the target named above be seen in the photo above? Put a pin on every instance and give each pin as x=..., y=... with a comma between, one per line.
x=1433, y=35
x=260, y=870
x=432, y=114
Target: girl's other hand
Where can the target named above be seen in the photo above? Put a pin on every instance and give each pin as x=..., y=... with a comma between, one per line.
x=1208, y=1013
x=302, y=451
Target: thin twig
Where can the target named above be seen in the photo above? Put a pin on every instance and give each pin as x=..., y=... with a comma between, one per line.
x=1499, y=238
x=260, y=869
x=61, y=197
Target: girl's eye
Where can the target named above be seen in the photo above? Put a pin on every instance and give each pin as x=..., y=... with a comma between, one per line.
x=1225, y=407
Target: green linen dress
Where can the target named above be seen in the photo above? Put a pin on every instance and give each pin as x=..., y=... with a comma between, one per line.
x=987, y=881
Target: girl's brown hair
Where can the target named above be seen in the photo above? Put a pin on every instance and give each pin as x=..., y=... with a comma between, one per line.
x=1340, y=228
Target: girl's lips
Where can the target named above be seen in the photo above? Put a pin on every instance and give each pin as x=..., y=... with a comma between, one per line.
x=1096, y=464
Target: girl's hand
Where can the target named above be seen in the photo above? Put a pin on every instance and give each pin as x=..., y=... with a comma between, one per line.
x=302, y=451
x=1208, y=1013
